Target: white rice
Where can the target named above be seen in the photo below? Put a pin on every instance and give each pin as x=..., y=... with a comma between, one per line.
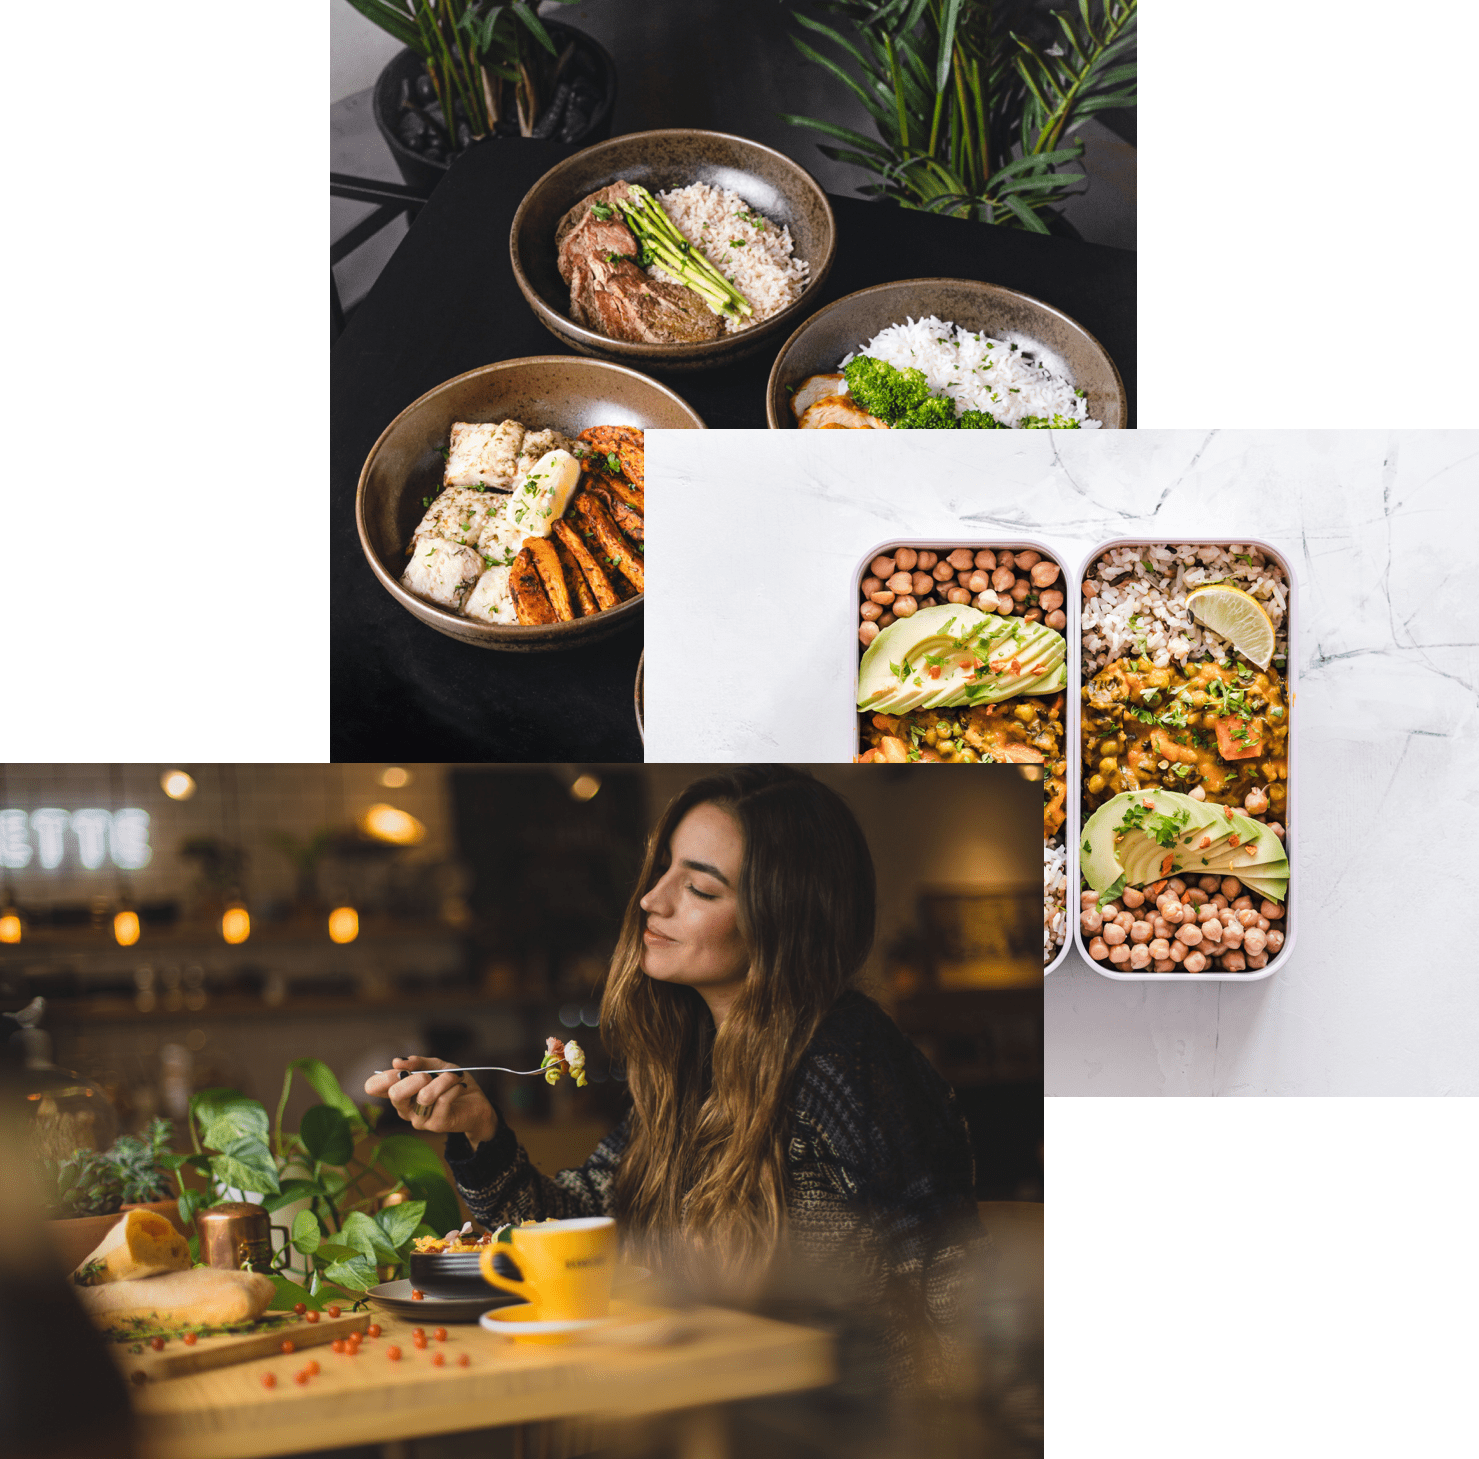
x=1141, y=603
x=977, y=372
x=749, y=250
x=1054, y=899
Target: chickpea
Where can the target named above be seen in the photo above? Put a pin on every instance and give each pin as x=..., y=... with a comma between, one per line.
x=1174, y=913
x=1020, y=590
x=1272, y=910
x=1033, y=615
x=1024, y=560
x=1111, y=910
x=1256, y=801
x=1243, y=903
x=905, y=607
x=905, y=558
x=882, y=567
x=886, y=620
x=867, y=632
x=986, y=558
x=1139, y=956
x=870, y=611
x=1140, y=931
x=1113, y=934
x=1262, y=924
x=1234, y=961
x=1274, y=940
x=1051, y=599
x=1247, y=918
x=1108, y=765
x=1227, y=917
x=1176, y=885
x=1096, y=784
x=1002, y=579
x=958, y=595
x=1195, y=963
x=921, y=584
x=1209, y=884
x=883, y=595
x=927, y=560
x=1277, y=829
x=986, y=601
x=1255, y=940
x=942, y=572
x=978, y=581
x=1163, y=965
x=1190, y=934
x=1004, y=604
x=962, y=557
x=963, y=578
x=1194, y=895
x=869, y=586
x=1126, y=920
x=1005, y=559
x=1119, y=954
x=1257, y=960
x=1132, y=897
x=1098, y=949
x=1088, y=899
x=1207, y=913
x=1220, y=902
x=901, y=582
x=1090, y=920
x=1162, y=928
x=1091, y=590
x=1178, y=952
x=1231, y=886
x=1045, y=574
x=1212, y=931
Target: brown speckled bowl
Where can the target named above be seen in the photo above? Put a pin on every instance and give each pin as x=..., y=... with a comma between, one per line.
x=820, y=344
x=543, y=391
x=774, y=185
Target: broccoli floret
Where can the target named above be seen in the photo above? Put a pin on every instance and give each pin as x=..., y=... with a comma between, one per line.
x=935, y=413
x=882, y=390
x=1046, y=423
x=979, y=420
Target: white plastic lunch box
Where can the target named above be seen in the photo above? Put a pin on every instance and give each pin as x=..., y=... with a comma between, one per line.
x=1072, y=597
x=1291, y=829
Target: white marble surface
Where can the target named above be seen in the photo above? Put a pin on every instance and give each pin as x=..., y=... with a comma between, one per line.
x=750, y=648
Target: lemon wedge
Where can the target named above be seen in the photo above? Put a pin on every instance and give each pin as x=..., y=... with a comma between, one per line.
x=1237, y=617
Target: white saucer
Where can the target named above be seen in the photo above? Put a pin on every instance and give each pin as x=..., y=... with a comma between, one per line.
x=517, y=1329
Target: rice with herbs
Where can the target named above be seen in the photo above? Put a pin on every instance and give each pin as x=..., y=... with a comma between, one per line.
x=978, y=372
x=748, y=249
x=1054, y=899
x=1138, y=605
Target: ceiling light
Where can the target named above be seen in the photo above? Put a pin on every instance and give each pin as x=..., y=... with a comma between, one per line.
x=126, y=927
x=583, y=787
x=177, y=785
x=386, y=823
x=236, y=924
x=10, y=925
x=395, y=777
x=343, y=924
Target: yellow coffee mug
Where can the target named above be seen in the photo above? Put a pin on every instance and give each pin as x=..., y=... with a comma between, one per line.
x=568, y=1267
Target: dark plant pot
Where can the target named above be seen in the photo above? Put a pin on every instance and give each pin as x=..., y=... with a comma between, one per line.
x=422, y=173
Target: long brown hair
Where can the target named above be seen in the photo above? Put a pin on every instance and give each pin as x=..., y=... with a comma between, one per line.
x=704, y=1171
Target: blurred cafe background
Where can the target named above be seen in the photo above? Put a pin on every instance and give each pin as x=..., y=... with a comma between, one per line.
x=170, y=928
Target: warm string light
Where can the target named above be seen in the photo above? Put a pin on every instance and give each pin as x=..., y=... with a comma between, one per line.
x=126, y=927
x=343, y=924
x=10, y=926
x=236, y=924
x=395, y=777
x=177, y=785
x=386, y=823
x=584, y=787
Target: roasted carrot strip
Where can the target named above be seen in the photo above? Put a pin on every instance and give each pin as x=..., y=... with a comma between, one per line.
x=585, y=600
x=600, y=584
x=547, y=563
x=612, y=544
x=531, y=603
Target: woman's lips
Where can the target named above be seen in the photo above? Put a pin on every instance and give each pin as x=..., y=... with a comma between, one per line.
x=652, y=935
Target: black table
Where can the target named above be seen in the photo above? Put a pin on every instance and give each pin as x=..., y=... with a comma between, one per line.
x=447, y=302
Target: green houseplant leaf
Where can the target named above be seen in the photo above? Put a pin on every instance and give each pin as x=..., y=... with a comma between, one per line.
x=405, y=1157
x=246, y=1164
x=360, y=1232
x=356, y=1273
x=326, y=1133
x=306, y=1235
x=400, y=1223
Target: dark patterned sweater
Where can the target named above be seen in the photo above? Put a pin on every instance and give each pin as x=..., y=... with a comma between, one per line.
x=880, y=1188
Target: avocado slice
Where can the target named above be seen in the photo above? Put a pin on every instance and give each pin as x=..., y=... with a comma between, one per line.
x=1275, y=888
x=1127, y=840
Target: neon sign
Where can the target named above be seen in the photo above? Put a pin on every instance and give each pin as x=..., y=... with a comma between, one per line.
x=97, y=836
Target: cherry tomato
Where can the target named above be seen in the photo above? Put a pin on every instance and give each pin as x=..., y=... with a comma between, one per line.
x=417, y=1296
x=463, y=1360
x=437, y=1359
x=338, y=1345
x=373, y=1330
x=190, y=1339
x=393, y=1353
x=418, y=1332
x=313, y=1368
x=288, y=1345
x=440, y=1334
x=310, y=1316
x=269, y=1380
x=157, y=1343
x=334, y=1309
x=301, y=1377
x=299, y=1308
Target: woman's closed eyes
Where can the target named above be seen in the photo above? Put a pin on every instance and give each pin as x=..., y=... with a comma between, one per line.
x=707, y=896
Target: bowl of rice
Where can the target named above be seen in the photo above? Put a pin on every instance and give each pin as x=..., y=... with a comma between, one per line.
x=758, y=216
x=985, y=348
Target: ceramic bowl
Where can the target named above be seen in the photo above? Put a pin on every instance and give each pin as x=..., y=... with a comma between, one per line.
x=1064, y=345
x=785, y=193
x=543, y=391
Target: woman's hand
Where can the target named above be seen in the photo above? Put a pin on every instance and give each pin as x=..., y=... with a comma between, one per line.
x=445, y=1104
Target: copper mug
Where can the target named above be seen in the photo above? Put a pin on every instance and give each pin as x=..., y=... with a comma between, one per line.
x=237, y=1234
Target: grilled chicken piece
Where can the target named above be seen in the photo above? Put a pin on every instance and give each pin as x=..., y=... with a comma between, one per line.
x=625, y=443
x=815, y=388
x=627, y=518
x=612, y=544
x=442, y=572
x=547, y=563
x=486, y=453
x=531, y=602
x=457, y=515
x=585, y=600
x=838, y=413
x=595, y=575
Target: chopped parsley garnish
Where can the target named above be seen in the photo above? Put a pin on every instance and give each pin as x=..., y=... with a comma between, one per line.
x=602, y=212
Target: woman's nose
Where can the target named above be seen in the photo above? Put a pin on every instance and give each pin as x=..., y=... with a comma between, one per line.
x=657, y=897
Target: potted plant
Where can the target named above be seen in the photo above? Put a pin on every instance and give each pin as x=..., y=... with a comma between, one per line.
x=472, y=70
x=975, y=104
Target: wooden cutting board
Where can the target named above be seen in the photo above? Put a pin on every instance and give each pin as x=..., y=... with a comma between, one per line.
x=178, y=1358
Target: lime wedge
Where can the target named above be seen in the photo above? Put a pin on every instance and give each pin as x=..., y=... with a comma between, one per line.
x=1237, y=617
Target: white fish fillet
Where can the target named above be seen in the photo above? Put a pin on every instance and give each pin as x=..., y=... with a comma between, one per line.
x=491, y=601
x=442, y=572
x=459, y=515
x=487, y=453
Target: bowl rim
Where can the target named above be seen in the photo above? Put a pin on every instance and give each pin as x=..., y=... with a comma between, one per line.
x=563, y=324
x=773, y=381
x=417, y=607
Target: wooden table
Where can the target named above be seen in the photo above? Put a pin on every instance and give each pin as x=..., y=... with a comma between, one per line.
x=227, y=1413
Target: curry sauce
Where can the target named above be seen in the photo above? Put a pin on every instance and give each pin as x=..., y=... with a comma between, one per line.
x=1218, y=725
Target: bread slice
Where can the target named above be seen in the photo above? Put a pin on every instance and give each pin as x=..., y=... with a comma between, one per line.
x=201, y=1297
x=142, y=1244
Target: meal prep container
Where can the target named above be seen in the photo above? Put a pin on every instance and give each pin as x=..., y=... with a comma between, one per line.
x=1070, y=633
x=543, y=391
x=823, y=341
x=1075, y=686
x=785, y=192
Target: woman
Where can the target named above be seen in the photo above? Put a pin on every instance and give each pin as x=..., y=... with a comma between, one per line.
x=778, y=1121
